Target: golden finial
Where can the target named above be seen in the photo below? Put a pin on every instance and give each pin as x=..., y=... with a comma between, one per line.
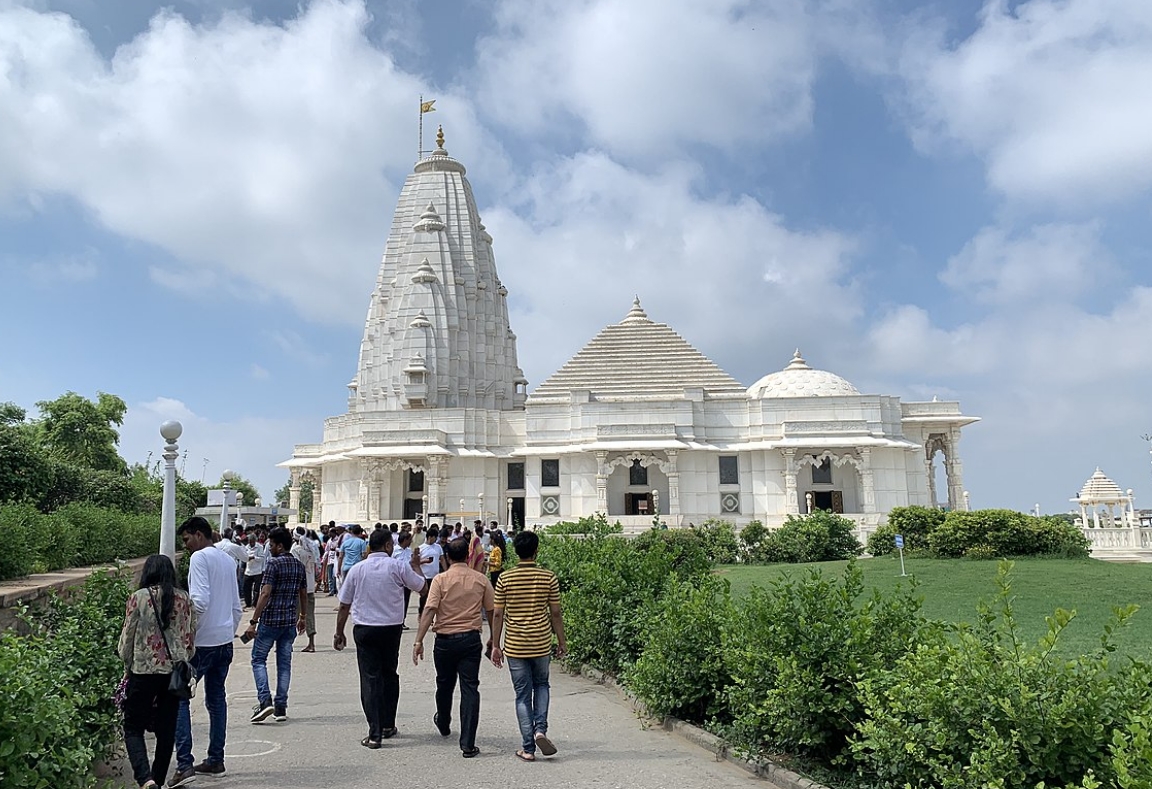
x=439, y=136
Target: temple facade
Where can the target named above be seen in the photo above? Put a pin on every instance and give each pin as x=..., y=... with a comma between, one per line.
x=638, y=423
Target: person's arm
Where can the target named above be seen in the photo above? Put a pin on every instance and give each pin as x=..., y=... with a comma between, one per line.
x=430, y=608
x=261, y=604
x=302, y=610
x=558, y=629
x=128, y=631
x=198, y=588
x=339, y=641
x=489, y=611
x=497, y=631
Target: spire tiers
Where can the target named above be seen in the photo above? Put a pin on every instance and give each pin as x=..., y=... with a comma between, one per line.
x=437, y=332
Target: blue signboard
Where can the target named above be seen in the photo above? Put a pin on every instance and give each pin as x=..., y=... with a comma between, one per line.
x=900, y=541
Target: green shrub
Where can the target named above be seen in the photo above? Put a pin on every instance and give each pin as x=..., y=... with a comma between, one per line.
x=818, y=537
x=1002, y=533
x=17, y=552
x=914, y=523
x=796, y=651
x=682, y=669
x=752, y=541
x=75, y=535
x=56, y=684
x=977, y=707
x=719, y=540
x=609, y=587
x=594, y=524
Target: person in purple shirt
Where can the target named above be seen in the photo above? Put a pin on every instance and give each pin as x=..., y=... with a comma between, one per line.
x=373, y=595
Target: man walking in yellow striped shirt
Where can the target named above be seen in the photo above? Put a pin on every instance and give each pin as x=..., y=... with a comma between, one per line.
x=527, y=615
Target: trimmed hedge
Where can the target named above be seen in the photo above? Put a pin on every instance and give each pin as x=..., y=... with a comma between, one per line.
x=76, y=535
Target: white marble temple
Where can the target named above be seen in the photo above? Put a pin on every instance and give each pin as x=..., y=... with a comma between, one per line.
x=440, y=419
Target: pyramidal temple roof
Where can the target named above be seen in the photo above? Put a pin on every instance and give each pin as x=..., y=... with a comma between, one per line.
x=1099, y=488
x=637, y=357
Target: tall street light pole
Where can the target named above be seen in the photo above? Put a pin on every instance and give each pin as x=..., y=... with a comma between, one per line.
x=169, y=431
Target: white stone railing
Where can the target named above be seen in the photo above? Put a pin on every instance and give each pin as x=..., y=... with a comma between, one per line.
x=1119, y=539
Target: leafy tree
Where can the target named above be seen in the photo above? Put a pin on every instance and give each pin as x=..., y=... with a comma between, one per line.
x=76, y=430
x=25, y=474
x=12, y=414
x=284, y=496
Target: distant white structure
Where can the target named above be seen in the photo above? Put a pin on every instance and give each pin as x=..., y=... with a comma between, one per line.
x=1109, y=520
x=638, y=422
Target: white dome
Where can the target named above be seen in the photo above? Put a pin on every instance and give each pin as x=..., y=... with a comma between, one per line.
x=800, y=380
x=1100, y=488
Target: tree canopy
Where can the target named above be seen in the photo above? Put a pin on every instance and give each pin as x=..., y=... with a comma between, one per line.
x=81, y=432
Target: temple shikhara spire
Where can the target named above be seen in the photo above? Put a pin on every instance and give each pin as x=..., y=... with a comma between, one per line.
x=638, y=423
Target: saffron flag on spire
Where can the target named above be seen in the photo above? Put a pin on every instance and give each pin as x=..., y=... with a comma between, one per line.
x=426, y=106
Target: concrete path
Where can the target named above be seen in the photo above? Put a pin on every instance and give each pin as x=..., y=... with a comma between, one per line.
x=601, y=742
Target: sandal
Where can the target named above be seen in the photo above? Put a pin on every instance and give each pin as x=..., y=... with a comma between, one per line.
x=469, y=753
x=524, y=756
x=368, y=742
x=388, y=734
x=308, y=649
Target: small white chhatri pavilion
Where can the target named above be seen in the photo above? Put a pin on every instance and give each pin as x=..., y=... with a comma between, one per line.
x=1101, y=493
x=638, y=422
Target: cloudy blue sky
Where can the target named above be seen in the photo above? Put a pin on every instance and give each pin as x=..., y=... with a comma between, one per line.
x=929, y=198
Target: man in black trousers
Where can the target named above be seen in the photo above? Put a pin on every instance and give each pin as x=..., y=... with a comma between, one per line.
x=372, y=593
x=454, y=609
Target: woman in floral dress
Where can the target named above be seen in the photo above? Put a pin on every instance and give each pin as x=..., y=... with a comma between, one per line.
x=156, y=612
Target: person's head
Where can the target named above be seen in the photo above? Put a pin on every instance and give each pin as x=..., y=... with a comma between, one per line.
x=457, y=550
x=459, y=527
x=432, y=535
x=280, y=541
x=356, y=530
x=196, y=533
x=394, y=527
x=299, y=533
x=159, y=571
x=378, y=526
x=228, y=533
x=526, y=544
x=331, y=524
x=404, y=539
x=498, y=540
x=380, y=541
x=493, y=525
x=251, y=538
x=478, y=527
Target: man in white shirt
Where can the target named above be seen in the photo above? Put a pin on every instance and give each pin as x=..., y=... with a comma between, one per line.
x=238, y=554
x=372, y=594
x=212, y=587
x=304, y=553
x=254, y=571
x=431, y=554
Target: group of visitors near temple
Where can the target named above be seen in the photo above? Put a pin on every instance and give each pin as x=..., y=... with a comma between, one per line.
x=462, y=587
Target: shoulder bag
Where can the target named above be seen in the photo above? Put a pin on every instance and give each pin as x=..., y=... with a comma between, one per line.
x=182, y=682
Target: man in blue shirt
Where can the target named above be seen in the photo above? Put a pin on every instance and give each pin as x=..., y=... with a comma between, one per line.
x=351, y=550
x=280, y=615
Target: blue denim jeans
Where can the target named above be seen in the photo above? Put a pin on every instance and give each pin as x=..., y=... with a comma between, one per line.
x=282, y=638
x=211, y=666
x=530, y=680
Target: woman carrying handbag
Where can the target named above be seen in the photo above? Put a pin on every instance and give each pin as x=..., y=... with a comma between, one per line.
x=159, y=632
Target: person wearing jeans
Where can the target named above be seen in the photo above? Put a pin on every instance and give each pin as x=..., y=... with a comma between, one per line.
x=526, y=617
x=279, y=615
x=457, y=602
x=372, y=595
x=212, y=587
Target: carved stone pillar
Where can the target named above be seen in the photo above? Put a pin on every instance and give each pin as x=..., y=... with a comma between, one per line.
x=317, y=497
x=867, y=480
x=791, y=500
x=602, y=482
x=294, y=496
x=434, y=483
x=373, y=500
x=362, y=501
x=954, y=469
x=673, y=483
x=930, y=471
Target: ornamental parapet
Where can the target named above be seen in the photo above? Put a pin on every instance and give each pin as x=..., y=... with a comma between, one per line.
x=838, y=427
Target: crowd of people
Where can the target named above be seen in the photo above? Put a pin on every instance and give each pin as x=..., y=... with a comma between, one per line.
x=276, y=574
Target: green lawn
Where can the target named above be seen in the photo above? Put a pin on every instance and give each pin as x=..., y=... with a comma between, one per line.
x=951, y=589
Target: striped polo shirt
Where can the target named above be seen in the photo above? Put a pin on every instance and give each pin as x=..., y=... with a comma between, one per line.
x=525, y=594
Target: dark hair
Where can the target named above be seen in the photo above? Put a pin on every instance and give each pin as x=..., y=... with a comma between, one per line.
x=433, y=532
x=158, y=571
x=196, y=524
x=479, y=527
x=356, y=529
x=281, y=537
x=526, y=544
x=405, y=538
x=457, y=549
x=498, y=540
x=380, y=539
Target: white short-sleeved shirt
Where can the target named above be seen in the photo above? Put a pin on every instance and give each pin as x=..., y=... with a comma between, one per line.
x=433, y=567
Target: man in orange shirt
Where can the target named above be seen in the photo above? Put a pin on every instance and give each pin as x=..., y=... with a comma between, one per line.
x=457, y=600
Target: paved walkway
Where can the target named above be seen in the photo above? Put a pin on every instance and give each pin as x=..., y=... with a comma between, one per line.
x=601, y=742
